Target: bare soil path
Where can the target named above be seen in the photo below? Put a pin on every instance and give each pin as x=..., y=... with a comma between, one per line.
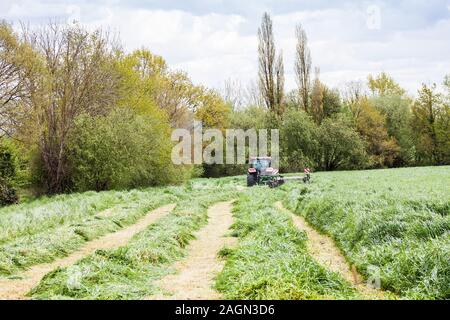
x=325, y=252
x=18, y=288
x=195, y=274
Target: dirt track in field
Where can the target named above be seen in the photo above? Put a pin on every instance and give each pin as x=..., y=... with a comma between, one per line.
x=195, y=274
x=17, y=288
x=326, y=253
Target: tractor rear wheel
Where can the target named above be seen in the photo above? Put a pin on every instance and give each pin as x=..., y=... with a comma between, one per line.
x=251, y=180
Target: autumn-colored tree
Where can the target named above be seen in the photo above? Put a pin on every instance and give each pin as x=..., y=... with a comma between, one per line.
x=353, y=92
x=390, y=100
x=383, y=85
x=370, y=124
x=397, y=112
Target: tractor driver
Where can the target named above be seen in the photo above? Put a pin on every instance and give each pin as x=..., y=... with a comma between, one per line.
x=258, y=165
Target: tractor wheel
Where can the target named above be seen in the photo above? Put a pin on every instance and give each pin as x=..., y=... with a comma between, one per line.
x=251, y=180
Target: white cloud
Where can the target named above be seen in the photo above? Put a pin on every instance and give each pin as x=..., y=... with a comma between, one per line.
x=213, y=46
x=209, y=47
x=345, y=49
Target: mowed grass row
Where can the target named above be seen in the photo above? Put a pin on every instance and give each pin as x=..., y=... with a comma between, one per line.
x=49, y=212
x=45, y=240
x=271, y=260
x=52, y=227
x=391, y=224
x=129, y=272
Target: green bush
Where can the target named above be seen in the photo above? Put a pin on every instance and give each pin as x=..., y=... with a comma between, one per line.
x=299, y=142
x=9, y=172
x=8, y=194
x=340, y=146
x=120, y=150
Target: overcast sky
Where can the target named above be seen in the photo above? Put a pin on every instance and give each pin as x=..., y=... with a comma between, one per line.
x=214, y=40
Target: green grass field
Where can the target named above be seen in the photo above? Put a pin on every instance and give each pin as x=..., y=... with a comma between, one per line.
x=391, y=224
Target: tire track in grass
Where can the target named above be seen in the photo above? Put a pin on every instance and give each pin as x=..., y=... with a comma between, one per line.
x=195, y=274
x=16, y=289
x=326, y=253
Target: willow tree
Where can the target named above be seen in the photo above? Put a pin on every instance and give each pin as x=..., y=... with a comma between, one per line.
x=78, y=78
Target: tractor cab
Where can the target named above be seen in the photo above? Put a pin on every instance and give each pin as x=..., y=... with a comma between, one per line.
x=261, y=164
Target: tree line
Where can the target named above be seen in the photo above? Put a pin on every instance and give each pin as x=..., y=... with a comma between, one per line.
x=79, y=113
x=366, y=125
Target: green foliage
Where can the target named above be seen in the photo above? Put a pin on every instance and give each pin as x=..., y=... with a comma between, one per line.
x=8, y=194
x=77, y=78
x=212, y=111
x=339, y=146
x=325, y=102
x=9, y=172
x=245, y=119
x=383, y=85
x=140, y=73
x=401, y=236
x=397, y=112
x=431, y=127
x=9, y=163
x=371, y=125
x=332, y=104
x=299, y=141
x=121, y=150
x=248, y=118
x=330, y=146
x=18, y=64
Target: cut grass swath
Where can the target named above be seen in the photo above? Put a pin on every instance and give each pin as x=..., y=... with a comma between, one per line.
x=271, y=261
